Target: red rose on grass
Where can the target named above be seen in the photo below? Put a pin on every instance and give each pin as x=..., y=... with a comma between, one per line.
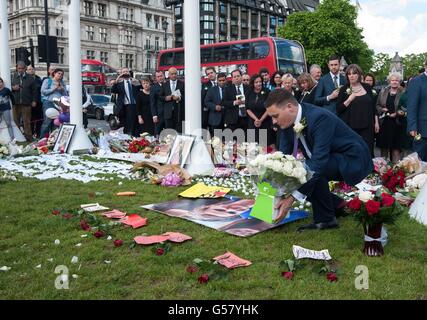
x=67, y=216
x=331, y=276
x=192, y=269
x=204, y=278
x=84, y=225
x=160, y=251
x=355, y=204
x=288, y=275
x=56, y=212
x=99, y=234
x=118, y=243
x=387, y=200
x=373, y=207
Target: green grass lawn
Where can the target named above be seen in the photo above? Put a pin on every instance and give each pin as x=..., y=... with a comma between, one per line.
x=28, y=231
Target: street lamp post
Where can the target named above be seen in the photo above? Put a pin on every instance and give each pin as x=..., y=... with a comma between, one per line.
x=165, y=25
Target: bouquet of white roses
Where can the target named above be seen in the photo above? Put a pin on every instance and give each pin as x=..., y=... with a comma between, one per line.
x=283, y=172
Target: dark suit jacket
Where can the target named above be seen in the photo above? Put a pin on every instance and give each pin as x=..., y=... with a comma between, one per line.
x=328, y=136
x=205, y=88
x=156, y=105
x=417, y=105
x=213, y=99
x=231, y=111
x=309, y=96
x=170, y=106
x=119, y=89
x=324, y=88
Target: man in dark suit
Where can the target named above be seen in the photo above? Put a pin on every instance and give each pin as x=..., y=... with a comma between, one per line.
x=234, y=103
x=213, y=102
x=156, y=105
x=127, y=90
x=328, y=86
x=172, y=97
x=211, y=74
x=334, y=152
x=417, y=113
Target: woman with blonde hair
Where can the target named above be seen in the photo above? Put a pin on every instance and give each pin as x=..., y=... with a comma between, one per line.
x=288, y=84
x=308, y=88
x=389, y=136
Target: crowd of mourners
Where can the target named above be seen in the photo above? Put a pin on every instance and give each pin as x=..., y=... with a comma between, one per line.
x=380, y=117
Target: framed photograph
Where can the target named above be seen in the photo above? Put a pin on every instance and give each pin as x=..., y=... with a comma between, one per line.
x=181, y=149
x=64, y=138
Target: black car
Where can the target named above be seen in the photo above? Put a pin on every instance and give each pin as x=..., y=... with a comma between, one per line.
x=96, y=108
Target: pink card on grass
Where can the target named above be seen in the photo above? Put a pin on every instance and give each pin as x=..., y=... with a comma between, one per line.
x=146, y=240
x=176, y=236
x=114, y=214
x=231, y=261
x=135, y=221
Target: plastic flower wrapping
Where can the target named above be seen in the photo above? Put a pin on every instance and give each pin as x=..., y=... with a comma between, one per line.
x=285, y=173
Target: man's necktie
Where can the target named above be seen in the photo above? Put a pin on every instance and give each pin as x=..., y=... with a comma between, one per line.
x=238, y=91
x=220, y=92
x=336, y=82
x=131, y=98
x=173, y=86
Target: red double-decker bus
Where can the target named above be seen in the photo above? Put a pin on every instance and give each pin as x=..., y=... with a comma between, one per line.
x=247, y=55
x=96, y=75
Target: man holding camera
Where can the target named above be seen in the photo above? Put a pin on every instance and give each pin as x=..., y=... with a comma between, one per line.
x=127, y=90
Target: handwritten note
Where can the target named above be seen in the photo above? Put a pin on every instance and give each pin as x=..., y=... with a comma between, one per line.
x=146, y=240
x=176, y=237
x=301, y=253
x=231, y=261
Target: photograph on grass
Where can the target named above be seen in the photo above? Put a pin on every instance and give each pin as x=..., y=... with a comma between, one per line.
x=64, y=138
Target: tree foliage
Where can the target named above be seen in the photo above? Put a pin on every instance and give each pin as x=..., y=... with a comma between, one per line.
x=331, y=29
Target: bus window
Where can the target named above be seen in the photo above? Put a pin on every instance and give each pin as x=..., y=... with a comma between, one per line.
x=239, y=51
x=260, y=50
x=179, y=58
x=221, y=53
x=289, y=51
x=167, y=59
x=291, y=67
x=91, y=68
x=206, y=55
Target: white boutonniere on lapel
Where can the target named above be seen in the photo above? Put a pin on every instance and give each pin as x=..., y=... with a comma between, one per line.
x=262, y=93
x=349, y=91
x=374, y=92
x=300, y=126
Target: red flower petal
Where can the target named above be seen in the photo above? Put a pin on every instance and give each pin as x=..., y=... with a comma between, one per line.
x=331, y=276
x=204, y=278
x=118, y=243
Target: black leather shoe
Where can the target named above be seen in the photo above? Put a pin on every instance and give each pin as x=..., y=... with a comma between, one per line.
x=319, y=226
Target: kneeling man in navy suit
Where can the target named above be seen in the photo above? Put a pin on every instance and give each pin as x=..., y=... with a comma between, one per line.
x=333, y=151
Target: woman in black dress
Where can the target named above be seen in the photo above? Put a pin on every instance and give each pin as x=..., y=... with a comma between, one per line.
x=355, y=106
x=389, y=137
x=258, y=117
x=145, y=119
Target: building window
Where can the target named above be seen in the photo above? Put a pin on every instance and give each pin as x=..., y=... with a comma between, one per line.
x=61, y=55
x=129, y=61
x=88, y=8
x=223, y=9
x=148, y=63
x=90, y=34
x=149, y=16
x=121, y=60
x=103, y=34
x=18, y=29
x=128, y=37
x=125, y=14
x=36, y=3
x=24, y=27
x=12, y=55
x=147, y=43
x=90, y=54
x=102, y=10
x=104, y=56
x=156, y=22
x=60, y=28
x=157, y=43
x=11, y=31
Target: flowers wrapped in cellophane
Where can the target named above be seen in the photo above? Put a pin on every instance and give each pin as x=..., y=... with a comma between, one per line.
x=284, y=172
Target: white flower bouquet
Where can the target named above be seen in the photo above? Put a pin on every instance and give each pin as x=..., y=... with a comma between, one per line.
x=4, y=151
x=275, y=175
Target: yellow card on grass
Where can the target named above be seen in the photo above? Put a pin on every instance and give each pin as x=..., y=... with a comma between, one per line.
x=200, y=190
